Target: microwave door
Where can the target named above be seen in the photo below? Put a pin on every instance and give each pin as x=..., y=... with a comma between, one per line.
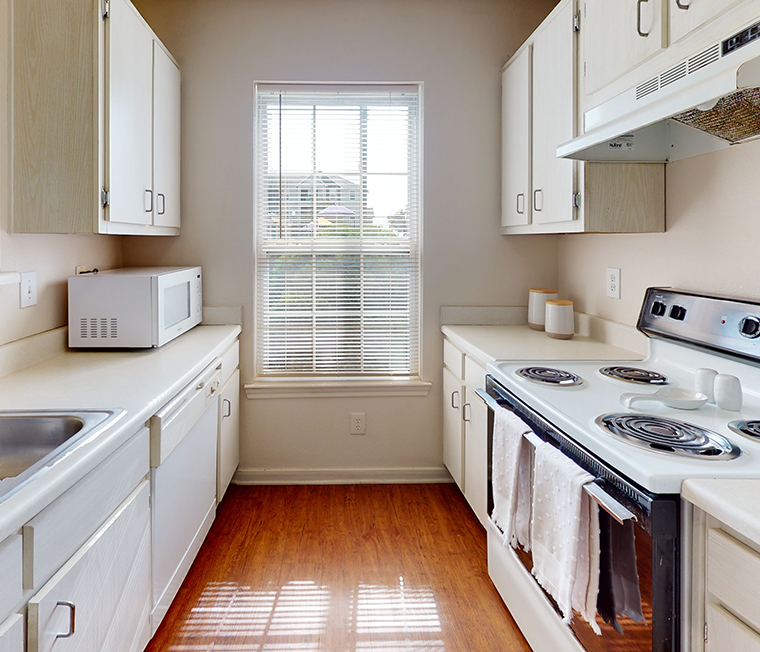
x=177, y=304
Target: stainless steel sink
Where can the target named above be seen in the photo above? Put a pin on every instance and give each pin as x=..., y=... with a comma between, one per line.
x=31, y=441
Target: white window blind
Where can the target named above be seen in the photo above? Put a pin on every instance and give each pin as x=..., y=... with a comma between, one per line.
x=337, y=230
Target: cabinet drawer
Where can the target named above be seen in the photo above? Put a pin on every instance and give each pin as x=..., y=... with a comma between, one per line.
x=474, y=374
x=733, y=575
x=12, y=634
x=453, y=358
x=56, y=533
x=11, y=588
x=726, y=633
x=230, y=361
x=105, y=587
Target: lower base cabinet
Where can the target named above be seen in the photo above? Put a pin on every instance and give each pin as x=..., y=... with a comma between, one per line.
x=12, y=634
x=100, y=599
x=476, y=455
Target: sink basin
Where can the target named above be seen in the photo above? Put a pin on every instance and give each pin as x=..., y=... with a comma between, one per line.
x=31, y=441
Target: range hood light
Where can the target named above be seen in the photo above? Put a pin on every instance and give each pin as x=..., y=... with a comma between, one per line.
x=707, y=106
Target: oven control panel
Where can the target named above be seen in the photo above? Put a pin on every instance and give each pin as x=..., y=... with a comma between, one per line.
x=728, y=325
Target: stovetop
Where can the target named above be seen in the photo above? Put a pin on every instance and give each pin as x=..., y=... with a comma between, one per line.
x=574, y=409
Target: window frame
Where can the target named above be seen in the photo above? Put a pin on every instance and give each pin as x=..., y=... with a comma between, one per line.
x=338, y=385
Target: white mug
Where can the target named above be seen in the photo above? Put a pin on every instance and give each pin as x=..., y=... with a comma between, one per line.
x=537, y=298
x=704, y=383
x=728, y=392
x=560, y=320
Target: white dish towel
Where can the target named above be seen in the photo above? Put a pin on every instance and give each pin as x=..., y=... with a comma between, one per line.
x=557, y=499
x=508, y=431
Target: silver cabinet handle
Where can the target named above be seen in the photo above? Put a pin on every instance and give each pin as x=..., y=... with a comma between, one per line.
x=638, y=18
x=200, y=385
x=228, y=405
x=455, y=393
x=681, y=5
x=464, y=413
x=520, y=196
x=161, y=202
x=148, y=201
x=535, y=199
x=72, y=617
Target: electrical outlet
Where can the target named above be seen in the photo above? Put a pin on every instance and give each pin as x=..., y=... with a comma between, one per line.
x=358, y=423
x=613, y=282
x=28, y=289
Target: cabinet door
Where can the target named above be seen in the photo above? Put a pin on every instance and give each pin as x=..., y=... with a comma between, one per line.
x=166, y=138
x=476, y=455
x=688, y=15
x=728, y=634
x=228, y=452
x=553, y=119
x=618, y=35
x=516, y=140
x=12, y=634
x=103, y=592
x=452, y=426
x=130, y=89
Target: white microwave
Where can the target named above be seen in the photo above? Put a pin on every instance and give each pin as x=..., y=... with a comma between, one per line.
x=137, y=307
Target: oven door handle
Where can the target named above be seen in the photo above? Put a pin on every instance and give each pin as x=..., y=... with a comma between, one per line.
x=599, y=495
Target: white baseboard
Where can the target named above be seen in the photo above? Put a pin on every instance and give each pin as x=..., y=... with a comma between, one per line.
x=431, y=475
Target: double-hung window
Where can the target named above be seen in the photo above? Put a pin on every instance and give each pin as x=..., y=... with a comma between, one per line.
x=338, y=222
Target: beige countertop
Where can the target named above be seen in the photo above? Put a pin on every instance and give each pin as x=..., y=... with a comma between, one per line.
x=488, y=343
x=733, y=502
x=139, y=382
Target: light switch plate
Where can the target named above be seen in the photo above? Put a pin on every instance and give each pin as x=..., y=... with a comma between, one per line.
x=613, y=282
x=28, y=289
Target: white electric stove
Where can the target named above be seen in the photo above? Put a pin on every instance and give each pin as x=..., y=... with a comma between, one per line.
x=577, y=397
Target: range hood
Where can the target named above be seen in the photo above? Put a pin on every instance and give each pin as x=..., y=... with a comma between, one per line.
x=706, y=102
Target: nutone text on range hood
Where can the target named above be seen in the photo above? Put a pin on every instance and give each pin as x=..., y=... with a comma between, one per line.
x=706, y=102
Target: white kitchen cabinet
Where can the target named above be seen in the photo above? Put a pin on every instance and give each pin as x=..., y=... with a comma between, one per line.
x=726, y=633
x=619, y=35
x=11, y=566
x=100, y=599
x=563, y=196
x=453, y=449
x=688, y=15
x=12, y=634
x=516, y=134
x=465, y=427
x=91, y=138
x=228, y=450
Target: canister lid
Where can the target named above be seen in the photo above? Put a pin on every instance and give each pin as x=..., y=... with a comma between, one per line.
x=543, y=291
x=560, y=302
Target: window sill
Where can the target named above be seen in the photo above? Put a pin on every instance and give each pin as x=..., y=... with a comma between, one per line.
x=343, y=388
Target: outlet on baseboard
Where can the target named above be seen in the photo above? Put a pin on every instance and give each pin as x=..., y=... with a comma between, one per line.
x=358, y=423
x=613, y=282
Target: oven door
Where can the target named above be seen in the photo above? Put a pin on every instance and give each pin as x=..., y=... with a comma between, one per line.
x=656, y=530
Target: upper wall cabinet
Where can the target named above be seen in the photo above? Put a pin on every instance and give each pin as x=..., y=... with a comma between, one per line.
x=544, y=194
x=95, y=121
x=688, y=15
x=619, y=35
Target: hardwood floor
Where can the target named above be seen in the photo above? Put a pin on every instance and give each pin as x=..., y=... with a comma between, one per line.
x=343, y=568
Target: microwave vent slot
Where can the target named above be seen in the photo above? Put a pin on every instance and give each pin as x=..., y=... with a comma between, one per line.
x=644, y=89
x=699, y=61
x=99, y=328
x=673, y=75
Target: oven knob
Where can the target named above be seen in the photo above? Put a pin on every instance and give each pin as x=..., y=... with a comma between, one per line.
x=678, y=313
x=750, y=327
x=658, y=308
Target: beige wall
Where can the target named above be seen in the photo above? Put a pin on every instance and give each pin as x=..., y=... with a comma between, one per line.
x=456, y=48
x=52, y=257
x=711, y=244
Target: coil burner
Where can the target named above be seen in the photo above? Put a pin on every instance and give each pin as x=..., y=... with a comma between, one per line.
x=747, y=428
x=549, y=376
x=634, y=375
x=668, y=436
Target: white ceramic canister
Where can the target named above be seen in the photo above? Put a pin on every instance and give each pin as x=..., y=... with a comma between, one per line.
x=728, y=392
x=537, y=298
x=560, y=320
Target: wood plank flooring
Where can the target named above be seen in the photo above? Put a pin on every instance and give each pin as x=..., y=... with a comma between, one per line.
x=343, y=568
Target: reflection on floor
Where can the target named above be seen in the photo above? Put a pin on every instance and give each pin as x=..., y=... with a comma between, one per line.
x=360, y=568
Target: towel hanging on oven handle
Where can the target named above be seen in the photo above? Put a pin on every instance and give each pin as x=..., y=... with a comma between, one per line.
x=600, y=496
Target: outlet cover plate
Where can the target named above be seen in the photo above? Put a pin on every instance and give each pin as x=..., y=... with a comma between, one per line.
x=613, y=282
